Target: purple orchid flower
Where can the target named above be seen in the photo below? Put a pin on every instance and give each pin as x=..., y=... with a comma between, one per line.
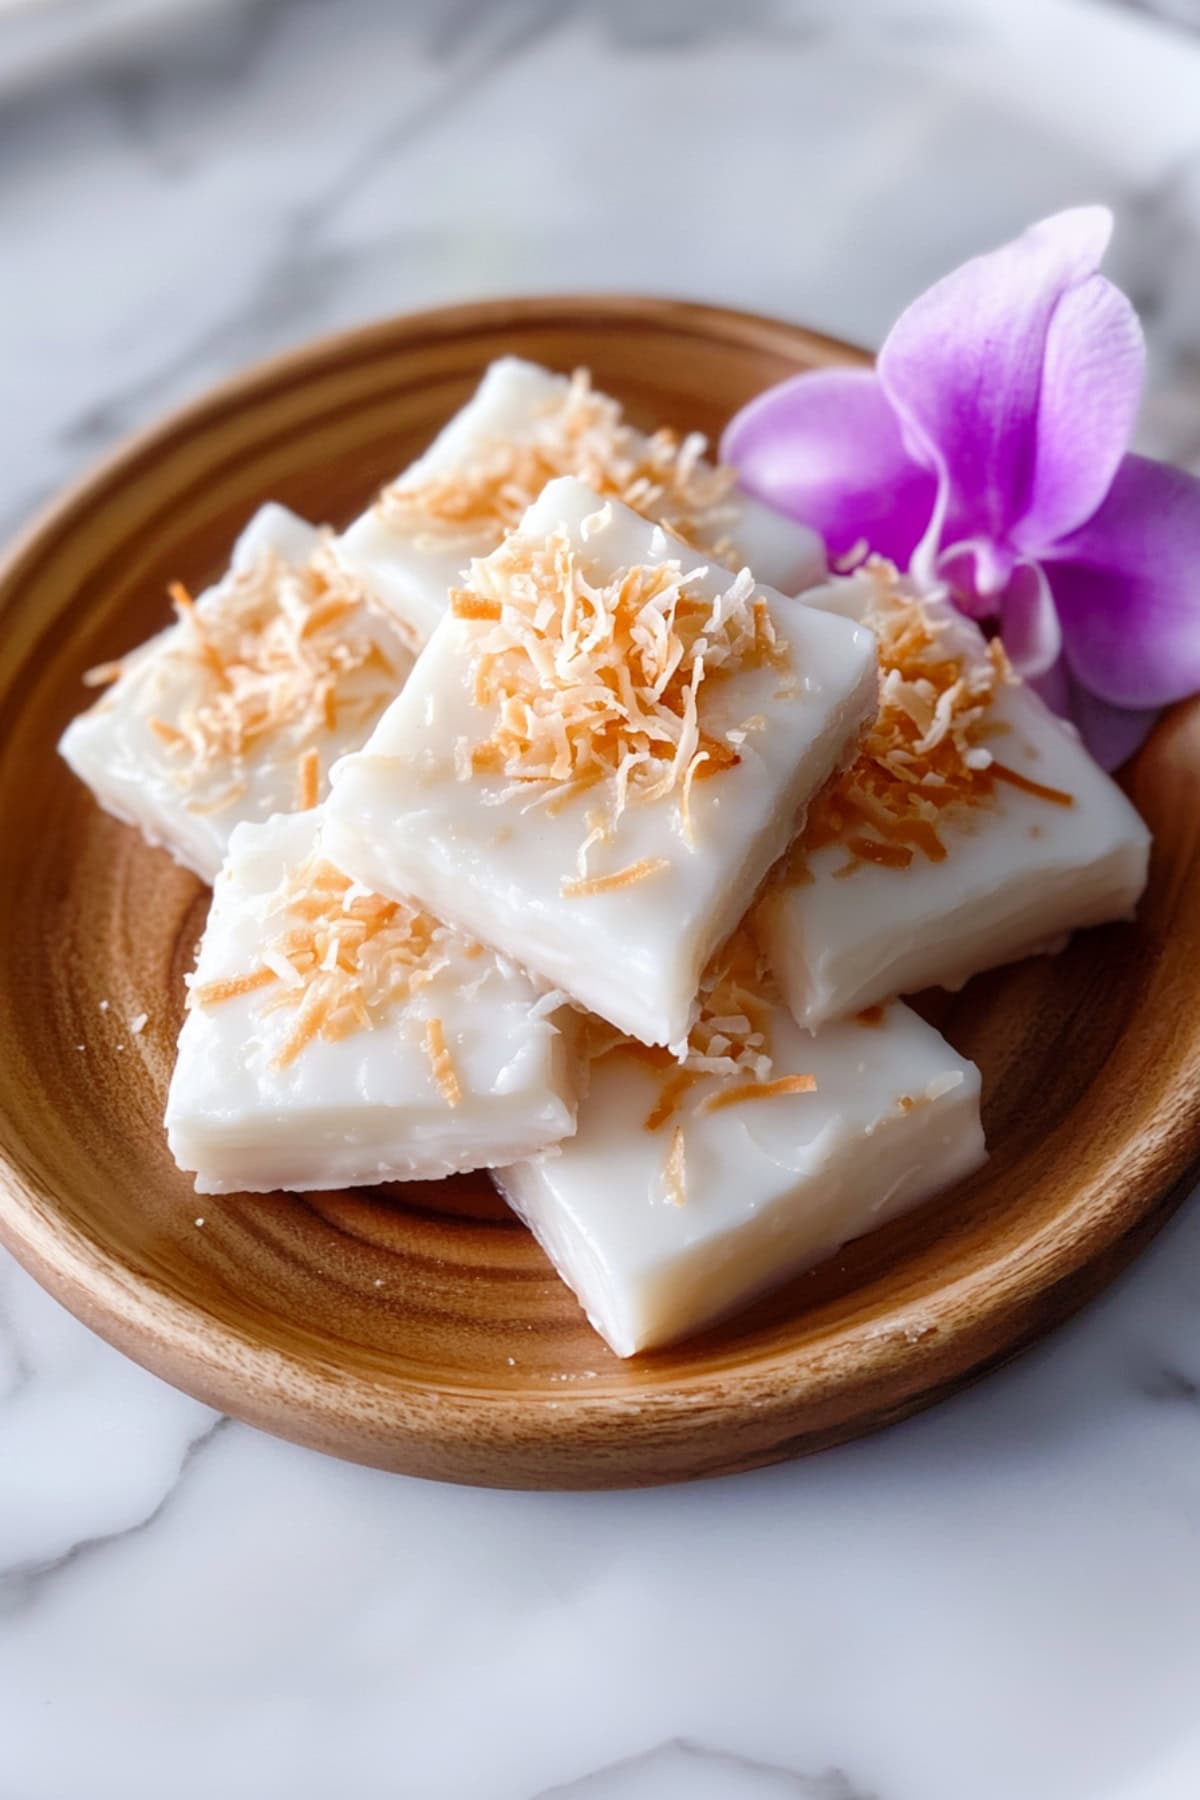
x=988, y=450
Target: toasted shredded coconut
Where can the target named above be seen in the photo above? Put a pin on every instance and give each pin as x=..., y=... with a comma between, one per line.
x=228, y=796
x=212, y=993
x=675, y=1170
x=620, y=878
x=760, y=1090
x=351, y=955
x=593, y=683
x=673, y=1090
x=729, y=1040
x=283, y=650
x=308, y=780
x=582, y=433
x=282, y=966
x=441, y=1062
x=104, y=674
x=464, y=605
x=923, y=756
x=731, y=1034
x=1014, y=778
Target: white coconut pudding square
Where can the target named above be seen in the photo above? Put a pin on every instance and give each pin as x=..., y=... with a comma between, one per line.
x=238, y=710
x=335, y=1038
x=973, y=828
x=523, y=427
x=688, y=1190
x=599, y=755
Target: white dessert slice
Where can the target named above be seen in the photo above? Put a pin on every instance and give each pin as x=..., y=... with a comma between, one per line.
x=599, y=755
x=238, y=709
x=333, y=1038
x=685, y=1193
x=973, y=829
x=524, y=426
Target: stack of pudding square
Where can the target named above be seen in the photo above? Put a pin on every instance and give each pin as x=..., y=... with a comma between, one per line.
x=613, y=887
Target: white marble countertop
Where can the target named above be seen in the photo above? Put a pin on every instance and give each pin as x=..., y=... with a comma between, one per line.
x=998, y=1601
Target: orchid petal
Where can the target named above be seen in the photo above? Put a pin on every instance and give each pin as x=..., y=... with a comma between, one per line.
x=1111, y=733
x=1095, y=359
x=963, y=367
x=826, y=448
x=1054, y=687
x=1029, y=625
x=1127, y=586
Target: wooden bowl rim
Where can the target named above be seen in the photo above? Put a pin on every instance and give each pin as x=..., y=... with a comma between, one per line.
x=458, y=319
x=215, y=1359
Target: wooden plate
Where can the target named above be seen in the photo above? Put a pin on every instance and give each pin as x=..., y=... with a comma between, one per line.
x=418, y=1328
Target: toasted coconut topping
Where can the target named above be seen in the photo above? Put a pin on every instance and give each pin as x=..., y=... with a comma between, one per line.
x=581, y=433
x=673, y=1090
x=620, y=878
x=675, y=1170
x=760, y=1090
x=1038, y=789
x=308, y=780
x=925, y=755
x=441, y=1062
x=219, y=802
x=213, y=992
x=170, y=735
x=104, y=674
x=342, y=958
x=284, y=651
x=730, y=1039
x=603, y=683
x=731, y=1035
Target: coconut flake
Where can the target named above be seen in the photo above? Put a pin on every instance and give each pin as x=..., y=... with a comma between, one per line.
x=922, y=757
x=602, y=681
x=281, y=651
x=579, y=432
x=341, y=959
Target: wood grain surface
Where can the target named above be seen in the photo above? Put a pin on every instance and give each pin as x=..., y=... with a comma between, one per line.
x=418, y=1327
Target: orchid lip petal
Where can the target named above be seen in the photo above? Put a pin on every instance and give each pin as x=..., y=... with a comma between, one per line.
x=826, y=448
x=1029, y=624
x=994, y=565
x=958, y=567
x=1025, y=605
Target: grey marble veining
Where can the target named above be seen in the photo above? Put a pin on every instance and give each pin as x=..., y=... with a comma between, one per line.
x=684, y=1770
x=998, y=1601
x=22, y=1584
x=1185, y=13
